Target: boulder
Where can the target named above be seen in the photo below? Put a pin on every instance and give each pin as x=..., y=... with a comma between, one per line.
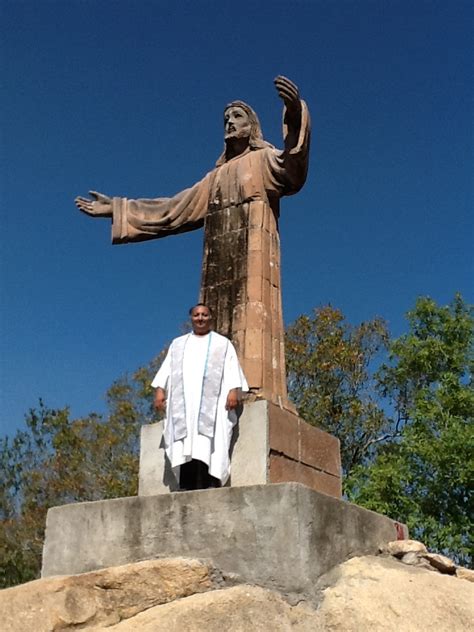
x=377, y=593
x=414, y=559
x=238, y=609
x=442, y=563
x=465, y=573
x=399, y=548
x=101, y=597
x=182, y=595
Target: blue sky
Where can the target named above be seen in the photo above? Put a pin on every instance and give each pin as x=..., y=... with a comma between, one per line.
x=126, y=98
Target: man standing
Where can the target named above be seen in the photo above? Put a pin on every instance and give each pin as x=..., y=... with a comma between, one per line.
x=199, y=385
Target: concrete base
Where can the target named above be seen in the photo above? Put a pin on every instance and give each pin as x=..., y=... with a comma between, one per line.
x=280, y=536
x=270, y=445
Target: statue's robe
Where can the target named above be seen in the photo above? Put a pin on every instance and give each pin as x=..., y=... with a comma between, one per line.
x=238, y=204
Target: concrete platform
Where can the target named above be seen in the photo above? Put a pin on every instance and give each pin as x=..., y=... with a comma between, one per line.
x=281, y=536
x=271, y=445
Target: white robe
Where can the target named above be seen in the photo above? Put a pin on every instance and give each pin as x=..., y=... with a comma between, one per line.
x=214, y=452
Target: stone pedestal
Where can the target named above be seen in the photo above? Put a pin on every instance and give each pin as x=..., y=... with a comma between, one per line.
x=280, y=536
x=270, y=445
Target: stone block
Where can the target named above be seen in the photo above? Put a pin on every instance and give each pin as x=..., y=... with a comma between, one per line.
x=268, y=370
x=239, y=342
x=266, y=295
x=156, y=476
x=319, y=449
x=265, y=431
x=249, y=450
x=256, y=265
x=275, y=278
x=259, y=240
x=281, y=537
x=257, y=316
x=253, y=370
x=283, y=433
x=254, y=288
x=256, y=211
x=282, y=470
x=239, y=317
x=253, y=343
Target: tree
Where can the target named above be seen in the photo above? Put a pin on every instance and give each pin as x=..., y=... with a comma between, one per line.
x=425, y=477
x=58, y=460
x=330, y=379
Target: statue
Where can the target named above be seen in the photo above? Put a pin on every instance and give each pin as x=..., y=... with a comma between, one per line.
x=238, y=205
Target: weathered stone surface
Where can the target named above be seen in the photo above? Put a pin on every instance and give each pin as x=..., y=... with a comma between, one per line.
x=465, y=573
x=101, y=597
x=283, y=432
x=282, y=537
x=442, y=563
x=271, y=445
x=238, y=609
x=365, y=593
x=374, y=593
x=283, y=469
x=291, y=436
x=414, y=559
x=399, y=548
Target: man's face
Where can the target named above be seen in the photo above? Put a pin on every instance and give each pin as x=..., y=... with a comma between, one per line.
x=201, y=320
x=236, y=123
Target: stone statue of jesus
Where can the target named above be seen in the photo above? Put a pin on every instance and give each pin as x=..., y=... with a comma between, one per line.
x=238, y=203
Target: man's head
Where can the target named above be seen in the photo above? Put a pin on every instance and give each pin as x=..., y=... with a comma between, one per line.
x=201, y=319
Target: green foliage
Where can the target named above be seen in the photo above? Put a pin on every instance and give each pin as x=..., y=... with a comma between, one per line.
x=58, y=460
x=425, y=478
x=406, y=430
x=330, y=380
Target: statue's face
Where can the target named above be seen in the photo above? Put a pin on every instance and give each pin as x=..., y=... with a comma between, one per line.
x=201, y=320
x=236, y=123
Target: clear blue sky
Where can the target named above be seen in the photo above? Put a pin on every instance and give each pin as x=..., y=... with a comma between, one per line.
x=127, y=98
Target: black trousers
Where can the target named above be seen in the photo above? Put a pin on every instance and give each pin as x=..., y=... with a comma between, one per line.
x=195, y=475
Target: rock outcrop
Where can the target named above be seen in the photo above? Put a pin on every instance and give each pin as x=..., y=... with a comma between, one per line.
x=180, y=595
x=378, y=593
x=238, y=609
x=102, y=597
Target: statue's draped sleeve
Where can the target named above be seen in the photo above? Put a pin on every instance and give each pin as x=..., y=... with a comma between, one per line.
x=285, y=171
x=139, y=220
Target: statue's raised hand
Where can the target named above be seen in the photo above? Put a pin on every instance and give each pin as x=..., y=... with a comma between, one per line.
x=289, y=92
x=101, y=206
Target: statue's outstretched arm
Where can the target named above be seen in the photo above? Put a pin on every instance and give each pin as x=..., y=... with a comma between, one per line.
x=290, y=95
x=101, y=206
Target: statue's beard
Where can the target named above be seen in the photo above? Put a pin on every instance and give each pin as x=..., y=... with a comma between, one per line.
x=237, y=134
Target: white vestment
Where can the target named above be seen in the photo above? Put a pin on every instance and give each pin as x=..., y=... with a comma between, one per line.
x=214, y=451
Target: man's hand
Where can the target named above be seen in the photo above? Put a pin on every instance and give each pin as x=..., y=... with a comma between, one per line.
x=233, y=399
x=100, y=207
x=289, y=92
x=159, y=401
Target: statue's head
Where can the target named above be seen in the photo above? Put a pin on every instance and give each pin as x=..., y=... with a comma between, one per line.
x=241, y=121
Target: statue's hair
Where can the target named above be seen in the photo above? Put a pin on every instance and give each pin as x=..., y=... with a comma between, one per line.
x=256, y=140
